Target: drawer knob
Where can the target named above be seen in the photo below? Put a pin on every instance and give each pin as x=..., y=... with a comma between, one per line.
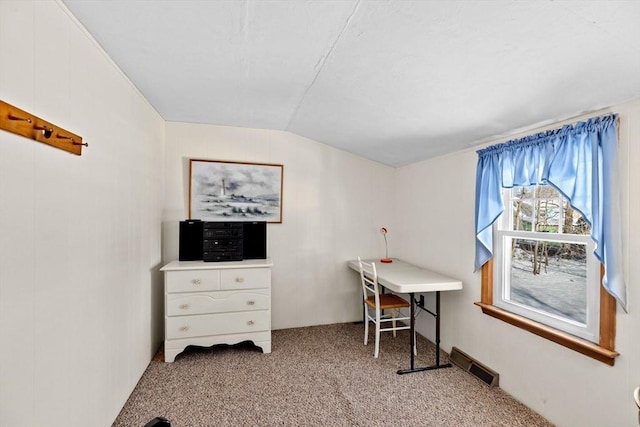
x=196, y=281
x=184, y=306
x=250, y=322
x=251, y=302
x=184, y=328
x=239, y=279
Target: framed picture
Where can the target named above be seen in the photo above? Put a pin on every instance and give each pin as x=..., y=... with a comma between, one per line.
x=233, y=191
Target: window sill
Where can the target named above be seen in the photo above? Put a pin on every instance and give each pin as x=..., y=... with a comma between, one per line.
x=581, y=346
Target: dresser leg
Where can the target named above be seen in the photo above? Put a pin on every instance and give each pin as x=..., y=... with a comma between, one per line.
x=170, y=355
x=265, y=345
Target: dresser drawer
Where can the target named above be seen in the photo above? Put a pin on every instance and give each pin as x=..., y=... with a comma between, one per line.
x=245, y=278
x=192, y=280
x=217, y=302
x=217, y=324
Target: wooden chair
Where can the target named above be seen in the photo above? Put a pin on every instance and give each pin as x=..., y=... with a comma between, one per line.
x=375, y=303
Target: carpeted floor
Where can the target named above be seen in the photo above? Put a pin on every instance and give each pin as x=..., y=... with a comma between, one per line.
x=318, y=376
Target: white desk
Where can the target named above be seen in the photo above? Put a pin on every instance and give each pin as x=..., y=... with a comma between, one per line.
x=402, y=277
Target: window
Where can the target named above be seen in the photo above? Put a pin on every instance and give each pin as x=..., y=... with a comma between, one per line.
x=551, y=253
x=603, y=351
x=546, y=270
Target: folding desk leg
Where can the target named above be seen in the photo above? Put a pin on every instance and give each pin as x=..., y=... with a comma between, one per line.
x=412, y=329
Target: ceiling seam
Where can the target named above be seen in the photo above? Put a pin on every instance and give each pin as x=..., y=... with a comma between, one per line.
x=322, y=61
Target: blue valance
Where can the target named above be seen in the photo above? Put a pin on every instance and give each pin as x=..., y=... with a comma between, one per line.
x=580, y=162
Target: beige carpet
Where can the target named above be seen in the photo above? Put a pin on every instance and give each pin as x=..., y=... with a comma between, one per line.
x=318, y=376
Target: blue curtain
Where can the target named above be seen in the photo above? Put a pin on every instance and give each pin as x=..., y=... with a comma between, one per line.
x=580, y=162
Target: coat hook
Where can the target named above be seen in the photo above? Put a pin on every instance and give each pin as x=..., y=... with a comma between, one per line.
x=72, y=140
x=45, y=130
x=86, y=144
x=12, y=117
x=23, y=123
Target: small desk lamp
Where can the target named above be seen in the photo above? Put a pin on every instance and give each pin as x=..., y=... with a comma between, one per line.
x=386, y=258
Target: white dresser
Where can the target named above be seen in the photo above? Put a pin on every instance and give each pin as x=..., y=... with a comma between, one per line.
x=209, y=303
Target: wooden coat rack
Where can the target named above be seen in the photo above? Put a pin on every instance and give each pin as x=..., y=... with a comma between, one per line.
x=22, y=123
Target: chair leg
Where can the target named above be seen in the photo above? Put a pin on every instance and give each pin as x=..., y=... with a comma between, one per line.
x=377, y=349
x=415, y=344
x=394, y=314
x=366, y=327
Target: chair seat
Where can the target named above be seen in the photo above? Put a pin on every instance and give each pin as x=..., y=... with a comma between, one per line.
x=387, y=301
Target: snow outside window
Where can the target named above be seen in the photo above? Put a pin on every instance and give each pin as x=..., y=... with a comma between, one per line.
x=545, y=269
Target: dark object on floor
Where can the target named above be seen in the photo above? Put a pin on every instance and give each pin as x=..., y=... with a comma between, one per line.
x=158, y=422
x=467, y=363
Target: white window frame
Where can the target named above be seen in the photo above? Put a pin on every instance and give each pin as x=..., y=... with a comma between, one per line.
x=503, y=236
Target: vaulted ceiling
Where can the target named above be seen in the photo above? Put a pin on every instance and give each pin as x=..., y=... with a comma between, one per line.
x=393, y=81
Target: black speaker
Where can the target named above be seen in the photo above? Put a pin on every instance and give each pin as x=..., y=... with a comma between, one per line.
x=254, y=240
x=190, y=240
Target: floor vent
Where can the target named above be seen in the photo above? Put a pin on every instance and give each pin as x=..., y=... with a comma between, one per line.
x=476, y=368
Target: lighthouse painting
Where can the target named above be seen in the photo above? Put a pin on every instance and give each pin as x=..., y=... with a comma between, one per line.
x=232, y=191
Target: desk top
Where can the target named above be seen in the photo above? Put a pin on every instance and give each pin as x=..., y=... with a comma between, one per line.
x=402, y=277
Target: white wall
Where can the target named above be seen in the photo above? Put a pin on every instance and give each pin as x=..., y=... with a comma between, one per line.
x=80, y=293
x=79, y=236
x=333, y=206
x=435, y=215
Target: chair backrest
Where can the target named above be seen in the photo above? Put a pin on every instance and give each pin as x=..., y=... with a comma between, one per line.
x=369, y=279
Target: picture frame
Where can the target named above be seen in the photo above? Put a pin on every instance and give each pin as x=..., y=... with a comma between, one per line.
x=222, y=190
